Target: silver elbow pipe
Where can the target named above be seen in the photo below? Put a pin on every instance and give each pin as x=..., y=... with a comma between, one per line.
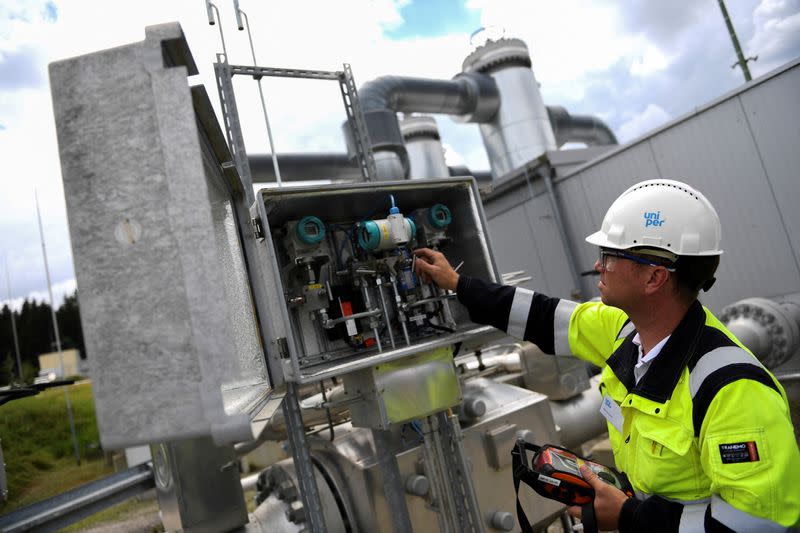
x=473, y=97
x=579, y=128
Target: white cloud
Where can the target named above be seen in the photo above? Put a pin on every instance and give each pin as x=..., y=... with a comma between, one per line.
x=589, y=55
x=776, y=36
x=649, y=62
x=61, y=290
x=652, y=117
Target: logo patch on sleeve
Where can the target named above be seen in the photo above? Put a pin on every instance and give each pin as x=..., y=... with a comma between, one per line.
x=739, y=452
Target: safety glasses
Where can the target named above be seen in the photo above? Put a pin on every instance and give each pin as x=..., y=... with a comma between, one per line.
x=608, y=259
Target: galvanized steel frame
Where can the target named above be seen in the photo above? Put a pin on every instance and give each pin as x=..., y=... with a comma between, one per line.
x=302, y=460
x=347, y=86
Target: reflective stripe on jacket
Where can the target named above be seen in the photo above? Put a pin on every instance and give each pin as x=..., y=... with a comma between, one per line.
x=706, y=439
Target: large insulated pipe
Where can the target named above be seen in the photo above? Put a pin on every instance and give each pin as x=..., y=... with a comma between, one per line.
x=304, y=166
x=769, y=328
x=472, y=96
x=339, y=167
x=520, y=131
x=579, y=419
x=579, y=128
x=424, y=147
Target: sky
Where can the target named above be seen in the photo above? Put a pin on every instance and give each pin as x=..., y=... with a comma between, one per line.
x=636, y=64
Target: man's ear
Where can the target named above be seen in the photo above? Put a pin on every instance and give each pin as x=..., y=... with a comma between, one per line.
x=659, y=277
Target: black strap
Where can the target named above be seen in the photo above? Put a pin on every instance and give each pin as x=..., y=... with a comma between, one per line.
x=520, y=469
x=588, y=518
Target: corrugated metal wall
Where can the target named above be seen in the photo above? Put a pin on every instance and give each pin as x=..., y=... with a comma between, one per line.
x=742, y=151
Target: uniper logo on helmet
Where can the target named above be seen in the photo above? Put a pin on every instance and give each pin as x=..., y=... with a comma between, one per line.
x=653, y=218
x=663, y=214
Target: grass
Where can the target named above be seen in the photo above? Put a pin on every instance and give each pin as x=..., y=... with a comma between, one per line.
x=40, y=461
x=118, y=513
x=37, y=445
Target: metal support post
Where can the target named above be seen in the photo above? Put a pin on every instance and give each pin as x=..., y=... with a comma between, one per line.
x=302, y=460
x=358, y=125
x=460, y=468
x=392, y=483
x=233, y=128
x=435, y=470
x=740, y=60
x=444, y=454
x=459, y=473
x=263, y=102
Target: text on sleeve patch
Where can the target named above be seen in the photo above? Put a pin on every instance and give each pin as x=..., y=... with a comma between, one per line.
x=739, y=452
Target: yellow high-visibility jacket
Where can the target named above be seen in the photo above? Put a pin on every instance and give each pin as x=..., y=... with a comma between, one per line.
x=706, y=438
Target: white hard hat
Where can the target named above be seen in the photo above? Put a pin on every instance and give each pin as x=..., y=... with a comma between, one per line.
x=661, y=214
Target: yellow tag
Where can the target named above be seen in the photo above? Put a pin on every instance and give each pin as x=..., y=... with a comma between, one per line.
x=314, y=285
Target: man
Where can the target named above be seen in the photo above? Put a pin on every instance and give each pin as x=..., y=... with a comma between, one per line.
x=701, y=428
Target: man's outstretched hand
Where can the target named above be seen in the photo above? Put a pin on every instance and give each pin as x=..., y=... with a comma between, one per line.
x=433, y=266
x=608, y=501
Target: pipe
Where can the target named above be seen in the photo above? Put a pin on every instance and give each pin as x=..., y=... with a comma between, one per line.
x=473, y=94
x=474, y=97
x=770, y=328
x=301, y=167
x=331, y=166
x=562, y=231
x=579, y=419
x=423, y=144
x=73, y=505
x=579, y=128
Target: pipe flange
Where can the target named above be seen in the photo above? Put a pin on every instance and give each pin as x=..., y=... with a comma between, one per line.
x=496, y=53
x=766, y=327
x=419, y=126
x=276, y=479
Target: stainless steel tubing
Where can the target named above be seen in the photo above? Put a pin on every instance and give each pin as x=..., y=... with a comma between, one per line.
x=385, y=312
x=431, y=300
x=447, y=313
x=368, y=303
x=364, y=314
x=401, y=316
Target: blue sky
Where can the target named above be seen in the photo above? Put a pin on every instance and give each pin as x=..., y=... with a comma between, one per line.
x=433, y=18
x=636, y=64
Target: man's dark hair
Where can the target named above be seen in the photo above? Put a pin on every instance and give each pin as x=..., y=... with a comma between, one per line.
x=693, y=273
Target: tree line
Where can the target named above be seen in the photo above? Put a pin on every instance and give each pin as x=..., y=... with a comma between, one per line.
x=35, y=335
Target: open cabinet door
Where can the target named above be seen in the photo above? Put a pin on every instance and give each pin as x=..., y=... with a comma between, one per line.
x=160, y=235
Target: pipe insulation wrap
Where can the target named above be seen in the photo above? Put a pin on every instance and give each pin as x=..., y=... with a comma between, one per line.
x=579, y=128
x=466, y=94
x=579, y=419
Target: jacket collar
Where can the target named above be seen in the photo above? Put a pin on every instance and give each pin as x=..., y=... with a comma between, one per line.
x=666, y=369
